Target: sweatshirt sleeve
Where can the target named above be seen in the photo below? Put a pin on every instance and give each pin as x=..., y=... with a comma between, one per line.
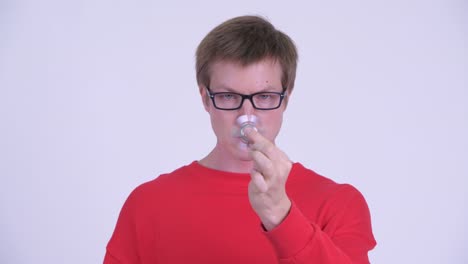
x=133, y=237
x=345, y=238
x=121, y=248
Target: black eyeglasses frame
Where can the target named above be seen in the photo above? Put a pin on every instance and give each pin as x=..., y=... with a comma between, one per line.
x=246, y=96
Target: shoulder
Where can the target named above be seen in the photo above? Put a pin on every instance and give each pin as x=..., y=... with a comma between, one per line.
x=302, y=177
x=155, y=190
x=306, y=183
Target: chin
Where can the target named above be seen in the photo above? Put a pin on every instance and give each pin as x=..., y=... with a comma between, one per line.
x=245, y=157
x=241, y=152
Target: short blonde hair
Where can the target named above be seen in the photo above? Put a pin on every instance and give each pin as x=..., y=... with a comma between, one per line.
x=246, y=40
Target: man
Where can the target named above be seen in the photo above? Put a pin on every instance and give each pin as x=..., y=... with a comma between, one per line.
x=245, y=202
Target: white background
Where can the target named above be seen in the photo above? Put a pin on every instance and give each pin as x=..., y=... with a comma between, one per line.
x=97, y=97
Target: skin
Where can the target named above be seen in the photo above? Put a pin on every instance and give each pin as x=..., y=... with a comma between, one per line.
x=268, y=166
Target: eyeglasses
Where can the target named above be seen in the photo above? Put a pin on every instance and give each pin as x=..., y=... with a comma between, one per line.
x=234, y=101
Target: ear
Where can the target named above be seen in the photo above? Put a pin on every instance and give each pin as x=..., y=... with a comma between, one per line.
x=287, y=94
x=204, y=96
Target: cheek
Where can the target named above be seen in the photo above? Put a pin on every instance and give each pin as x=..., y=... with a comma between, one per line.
x=222, y=124
x=272, y=125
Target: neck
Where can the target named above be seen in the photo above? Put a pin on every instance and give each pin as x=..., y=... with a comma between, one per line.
x=220, y=159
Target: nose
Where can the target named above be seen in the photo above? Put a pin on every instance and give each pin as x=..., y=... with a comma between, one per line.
x=247, y=108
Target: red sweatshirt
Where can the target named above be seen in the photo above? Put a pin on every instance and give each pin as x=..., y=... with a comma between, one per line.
x=200, y=215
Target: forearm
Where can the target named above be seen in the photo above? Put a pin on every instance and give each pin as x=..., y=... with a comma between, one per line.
x=297, y=240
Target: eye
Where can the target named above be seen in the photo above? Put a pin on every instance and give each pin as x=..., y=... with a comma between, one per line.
x=267, y=97
x=264, y=96
x=227, y=96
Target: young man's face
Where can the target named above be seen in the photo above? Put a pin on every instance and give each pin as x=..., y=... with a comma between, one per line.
x=263, y=76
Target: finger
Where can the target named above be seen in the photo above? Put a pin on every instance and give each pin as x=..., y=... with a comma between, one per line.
x=262, y=144
x=262, y=163
x=259, y=181
x=259, y=142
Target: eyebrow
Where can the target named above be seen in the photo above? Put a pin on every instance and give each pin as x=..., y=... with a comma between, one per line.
x=225, y=88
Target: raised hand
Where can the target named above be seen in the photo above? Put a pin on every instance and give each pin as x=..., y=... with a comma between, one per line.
x=267, y=188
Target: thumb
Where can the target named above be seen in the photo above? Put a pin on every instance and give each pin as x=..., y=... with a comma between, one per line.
x=259, y=181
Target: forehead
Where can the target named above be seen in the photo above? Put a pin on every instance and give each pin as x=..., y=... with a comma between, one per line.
x=262, y=75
